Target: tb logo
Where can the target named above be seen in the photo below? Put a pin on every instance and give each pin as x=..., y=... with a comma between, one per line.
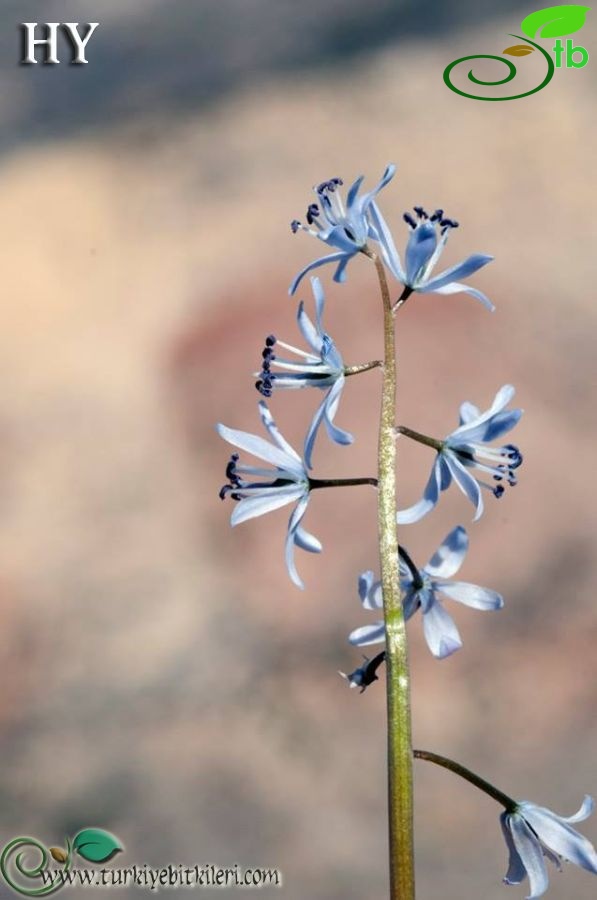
x=76, y=41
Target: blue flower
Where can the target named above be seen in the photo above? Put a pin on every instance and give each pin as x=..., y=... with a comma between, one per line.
x=421, y=590
x=346, y=228
x=267, y=489
x=532, y=833
x=466, y=449
x=322, y=367
x=428, y=237
x=365, y=674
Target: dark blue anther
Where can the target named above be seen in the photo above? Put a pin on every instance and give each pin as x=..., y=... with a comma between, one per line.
x=270, y=340
x=514, y=455
x=295, y=225
x=326, y=186
x=409, y=220
x=420, y=212
x=499, y=490
x=437, y=215
x=312, y=213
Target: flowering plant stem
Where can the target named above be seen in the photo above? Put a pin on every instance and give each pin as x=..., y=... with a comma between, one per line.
x=315, y=483
x=507, y=802
x=400, y=786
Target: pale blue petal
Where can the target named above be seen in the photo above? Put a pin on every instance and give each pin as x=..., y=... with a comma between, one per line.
x=340, y=273
x=336, y=236
x=448, y=557
x=586, y=809
x=293, y=524
x=366, y=580
x=307, y=541
x=430, y=497
x=560, y=837
x=259, y=447
x=440, y=631
x=322, y=261
x=495, y=427
x=353, y=191
x=338, y=435
x=410, y=602
x=263, y=502
x=383, y=234
x=468, y=412
x=385, y=179
x=319, y=296
x=516, y=871
x=370, y=591
x=330, y=406
x=312, y=433
x=529, y=850
x=308, y=330
x=465, y=481
x=470, y=594
x=368, y=634
x=298, y=382
x=500, y=401
x=456, y=287
x=419, y=250
x=276, y=436
x=460, y=270
x=375, y=598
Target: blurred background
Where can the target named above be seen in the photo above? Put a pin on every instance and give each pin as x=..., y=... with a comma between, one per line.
x=161, y=677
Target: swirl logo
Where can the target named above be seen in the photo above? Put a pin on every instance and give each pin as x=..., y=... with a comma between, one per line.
x=25, y=863
x=551, y=22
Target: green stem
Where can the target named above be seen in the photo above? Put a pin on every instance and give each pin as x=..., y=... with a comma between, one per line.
x=315, y=483
x=363, y=367
x=507, y=802
x=400, y=787
x=420, y=438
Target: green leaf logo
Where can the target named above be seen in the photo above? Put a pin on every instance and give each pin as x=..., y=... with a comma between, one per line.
x=555, y=21
x=96, y=845
x=519, y=50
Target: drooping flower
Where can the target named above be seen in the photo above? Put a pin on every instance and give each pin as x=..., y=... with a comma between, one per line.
x=365, y=674
x=322, y=367
x=260, y=490
x=422, y=589
x=344, y=227
x=533, y=833
x=466, y=449
x=428, y=237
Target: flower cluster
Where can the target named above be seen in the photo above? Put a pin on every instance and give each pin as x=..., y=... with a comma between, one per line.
x=349, y=227
x=471, y=457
